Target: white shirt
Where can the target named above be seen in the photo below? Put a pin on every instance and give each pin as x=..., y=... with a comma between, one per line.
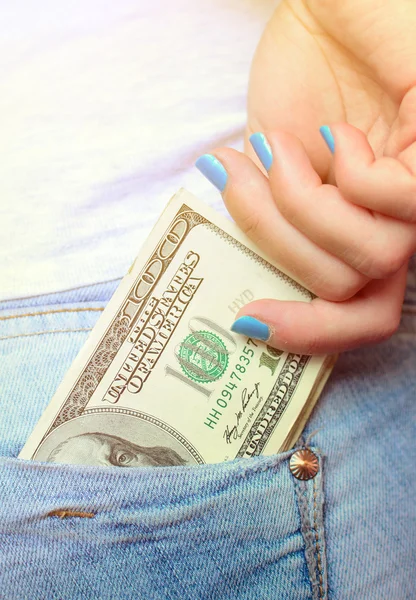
x=104, y=108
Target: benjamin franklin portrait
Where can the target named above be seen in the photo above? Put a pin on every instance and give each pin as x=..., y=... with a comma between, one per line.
x=122, y=439
x=110, y=450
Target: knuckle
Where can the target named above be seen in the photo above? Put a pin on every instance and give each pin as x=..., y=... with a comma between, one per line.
x=287, y=207
x=338, y=289
x=351, y=187
x=387, y=263
x=313, y=345
x=408, y=212
x=250, y=224
x=383, y=258
x=388, y=327
x=344, y=292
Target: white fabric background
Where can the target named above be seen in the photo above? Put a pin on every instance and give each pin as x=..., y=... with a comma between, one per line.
x=104, y=107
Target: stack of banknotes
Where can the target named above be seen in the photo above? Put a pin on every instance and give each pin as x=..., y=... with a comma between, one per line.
x=161, y=379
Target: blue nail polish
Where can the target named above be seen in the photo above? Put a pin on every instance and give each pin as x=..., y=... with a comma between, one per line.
x=328, y=137
x=252, y=328
x=262, y=149
x=213, y=170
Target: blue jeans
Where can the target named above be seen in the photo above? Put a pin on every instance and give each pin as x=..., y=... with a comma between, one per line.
x=245, y=529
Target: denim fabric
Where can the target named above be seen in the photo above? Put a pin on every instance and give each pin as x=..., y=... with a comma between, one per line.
x=234, y=530
x=242, y=529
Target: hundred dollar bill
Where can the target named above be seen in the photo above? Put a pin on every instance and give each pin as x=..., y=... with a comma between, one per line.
x=161, y=379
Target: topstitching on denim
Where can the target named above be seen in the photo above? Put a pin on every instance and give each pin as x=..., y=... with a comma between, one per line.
x=310, y=503
x=52, y=312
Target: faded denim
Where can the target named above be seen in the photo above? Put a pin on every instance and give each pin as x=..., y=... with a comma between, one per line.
x=245, y=529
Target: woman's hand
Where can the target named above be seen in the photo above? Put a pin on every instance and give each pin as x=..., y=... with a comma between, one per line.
x=348, y=242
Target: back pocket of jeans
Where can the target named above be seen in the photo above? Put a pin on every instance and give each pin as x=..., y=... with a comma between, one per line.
x=240, y=529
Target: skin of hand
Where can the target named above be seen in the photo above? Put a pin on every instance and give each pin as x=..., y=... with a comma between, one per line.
x=342, y=225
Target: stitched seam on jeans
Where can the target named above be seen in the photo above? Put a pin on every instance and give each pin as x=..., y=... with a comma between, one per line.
x=11, y=337
x=57, y=293
x=51, y=312
x=318, y=549
x=306, y=529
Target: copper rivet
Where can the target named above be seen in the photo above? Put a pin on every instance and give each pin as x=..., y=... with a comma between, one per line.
x=304, y=464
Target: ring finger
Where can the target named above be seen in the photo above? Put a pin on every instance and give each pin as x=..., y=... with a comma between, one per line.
x=373, y=244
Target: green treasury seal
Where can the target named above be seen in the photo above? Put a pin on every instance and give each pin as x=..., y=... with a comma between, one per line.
x=203, y=356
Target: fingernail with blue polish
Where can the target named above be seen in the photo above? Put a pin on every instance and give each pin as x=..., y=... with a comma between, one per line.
x=328, y=137
x=213, y=170
x=252, y=328
x=262, y=149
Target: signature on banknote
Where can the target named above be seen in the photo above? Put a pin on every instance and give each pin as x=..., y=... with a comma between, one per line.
x=246, y=396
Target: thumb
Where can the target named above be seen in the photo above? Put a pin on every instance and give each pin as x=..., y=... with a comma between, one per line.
x=322, y=327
